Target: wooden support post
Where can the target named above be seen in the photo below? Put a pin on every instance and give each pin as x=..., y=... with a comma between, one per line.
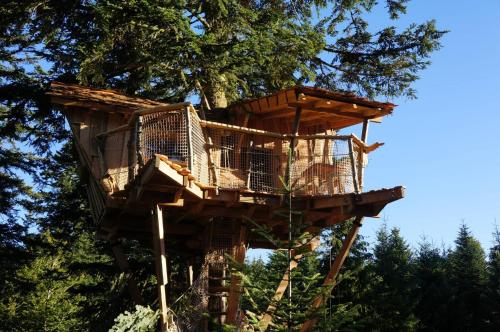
x=334, y=271
x=138, y=142
x=117, y=248
x=233, y=300
x=189, y=139
x=353, y=167
x=362, y=154
x=161, y=265
x=132, y=157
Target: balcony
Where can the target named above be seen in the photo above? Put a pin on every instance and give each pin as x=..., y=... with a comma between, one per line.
x=224, y=156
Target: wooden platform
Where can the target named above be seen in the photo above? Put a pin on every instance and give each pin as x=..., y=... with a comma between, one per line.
x=188, y=206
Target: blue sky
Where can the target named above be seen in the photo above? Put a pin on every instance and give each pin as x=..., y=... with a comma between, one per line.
x=444, y=147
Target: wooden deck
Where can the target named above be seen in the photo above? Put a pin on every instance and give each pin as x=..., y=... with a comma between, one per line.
x=188, y=206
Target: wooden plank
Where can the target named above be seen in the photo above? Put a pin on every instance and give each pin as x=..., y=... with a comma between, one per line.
x=334, y=271
x=375, y=196
x=382, y=195
x=282, y=98
x=290, y=96
x=161, y=265
x=284, y=112
x=235, y=286
x=211, y=124
x=263, y=106
x=333, y=201
x=272, y=100
x=362, y=154
x=282, y=286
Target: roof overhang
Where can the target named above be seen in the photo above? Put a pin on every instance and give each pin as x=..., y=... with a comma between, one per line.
x=105, y=100
x=318, y=105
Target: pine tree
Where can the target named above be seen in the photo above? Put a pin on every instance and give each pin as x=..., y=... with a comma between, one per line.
x=391, y=301
x=432, y=289
x=343, y=310
x=468, y=278
x=494, y=282
x=158, y=49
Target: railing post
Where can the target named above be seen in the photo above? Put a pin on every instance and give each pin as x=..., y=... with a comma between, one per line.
x=138, y=132
x=353, y=167
x=189, y=140
x=362, y=154
x=132, y=153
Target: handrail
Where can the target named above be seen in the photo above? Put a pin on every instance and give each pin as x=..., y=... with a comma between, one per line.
x=156, y=109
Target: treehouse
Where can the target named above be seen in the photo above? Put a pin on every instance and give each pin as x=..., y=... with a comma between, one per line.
x=188, y=181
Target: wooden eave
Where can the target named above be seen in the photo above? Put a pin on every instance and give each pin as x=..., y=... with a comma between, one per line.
x=81, y=97
x=318, y=105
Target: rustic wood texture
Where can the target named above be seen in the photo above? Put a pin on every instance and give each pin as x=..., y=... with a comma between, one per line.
x=329, y=281
x=161, y=265
x=74, y=96
x=282, y=286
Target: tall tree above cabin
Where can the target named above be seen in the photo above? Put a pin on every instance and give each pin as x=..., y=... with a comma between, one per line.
x=232, y=48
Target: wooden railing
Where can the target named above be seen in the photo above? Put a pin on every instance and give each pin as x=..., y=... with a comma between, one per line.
x=233, y=157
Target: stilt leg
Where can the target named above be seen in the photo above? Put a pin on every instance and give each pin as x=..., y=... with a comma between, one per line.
x=161, y=265
x=235, y=289
x=334, y=271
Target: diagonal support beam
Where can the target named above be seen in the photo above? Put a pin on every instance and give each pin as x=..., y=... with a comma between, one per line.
x=283, y=285
x=161, y=265
x=333, y=273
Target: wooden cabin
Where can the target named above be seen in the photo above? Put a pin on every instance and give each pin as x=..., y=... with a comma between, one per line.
x=171, y=176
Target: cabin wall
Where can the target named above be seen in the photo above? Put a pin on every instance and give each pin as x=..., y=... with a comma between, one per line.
x=107, y=158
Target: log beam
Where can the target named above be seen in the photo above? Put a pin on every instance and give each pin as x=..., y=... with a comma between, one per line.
x=330, y=281
x=233, y=300
x=283, y=285
x=161, y=265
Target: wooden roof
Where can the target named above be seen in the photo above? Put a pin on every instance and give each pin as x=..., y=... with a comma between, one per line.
x=318, y=105
x=72, y=95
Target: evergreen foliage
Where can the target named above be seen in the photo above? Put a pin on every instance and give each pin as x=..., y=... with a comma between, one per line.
x=55, y=276
x=468, y=280
x=143, y=319
x=494, y=281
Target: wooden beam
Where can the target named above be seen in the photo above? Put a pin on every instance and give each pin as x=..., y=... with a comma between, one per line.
x=329, y=281
x=233, y=299
x=362, y=154
x=282, y=286
x=161, y=265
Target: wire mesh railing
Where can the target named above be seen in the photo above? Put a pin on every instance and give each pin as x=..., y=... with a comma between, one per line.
x=232, y=157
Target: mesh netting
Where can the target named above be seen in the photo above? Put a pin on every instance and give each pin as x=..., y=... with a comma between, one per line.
x=200, y=162
x=164, y=133
x=232, y=159
x=197, y=301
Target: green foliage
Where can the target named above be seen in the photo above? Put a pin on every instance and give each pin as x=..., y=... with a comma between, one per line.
x=494, y=281
x=143, y=319
x=431, y=287
x=54, y=275
x=468, y=279
x=391, y=300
